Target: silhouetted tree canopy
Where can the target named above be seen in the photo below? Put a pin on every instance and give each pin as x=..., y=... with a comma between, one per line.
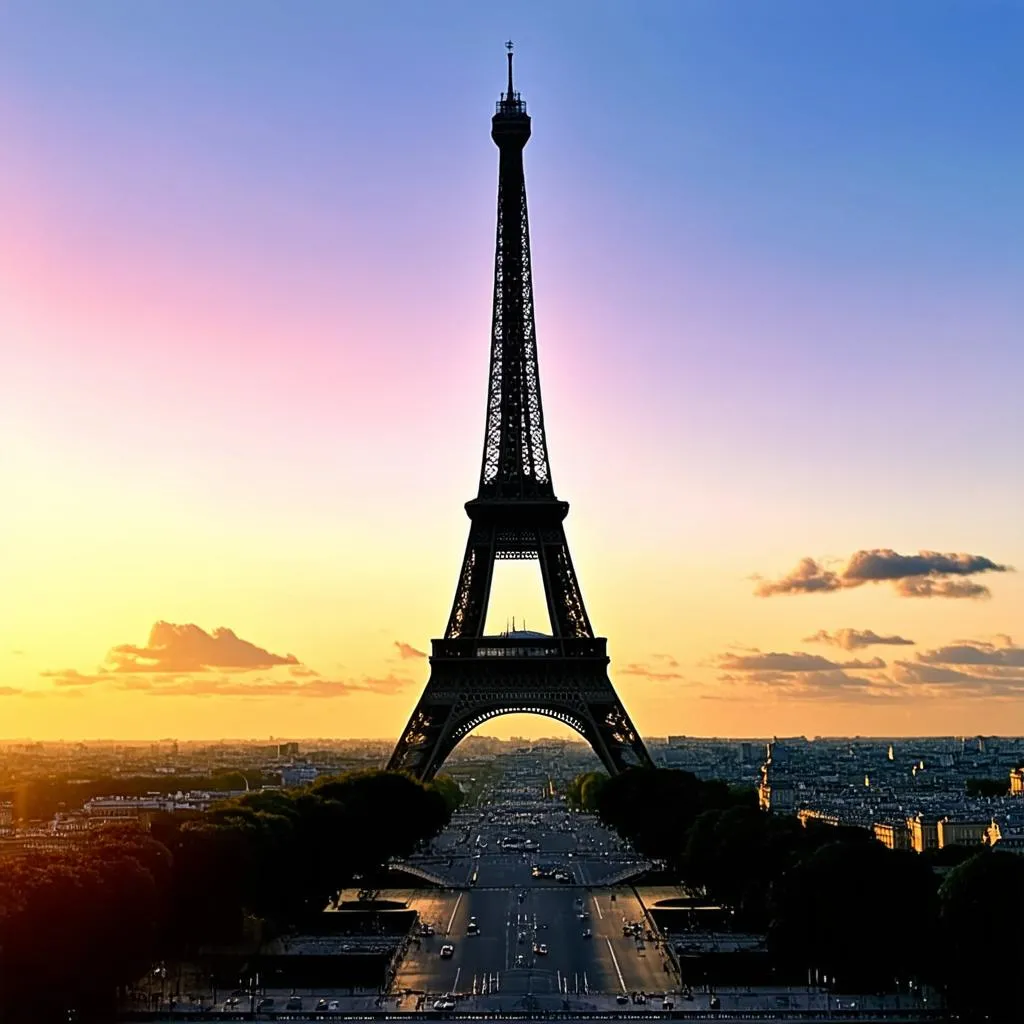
x=981, y=913
x=987, y=787
x=75, y=925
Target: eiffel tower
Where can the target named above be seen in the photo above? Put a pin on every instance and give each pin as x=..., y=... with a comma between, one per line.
x=515, y=514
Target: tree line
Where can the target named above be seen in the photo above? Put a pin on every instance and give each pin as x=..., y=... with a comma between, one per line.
x=832, y=901
x=76, y=926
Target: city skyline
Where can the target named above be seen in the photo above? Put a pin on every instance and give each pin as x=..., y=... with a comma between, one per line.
x=773, y=258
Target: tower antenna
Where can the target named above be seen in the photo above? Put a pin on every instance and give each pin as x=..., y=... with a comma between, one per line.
x=509, y=48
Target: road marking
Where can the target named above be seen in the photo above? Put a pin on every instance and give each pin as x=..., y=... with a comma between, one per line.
x=451, y=920
x=559, y=973
x=615, y=963
x=597, y=907
x=586, y=984
x=455, y=987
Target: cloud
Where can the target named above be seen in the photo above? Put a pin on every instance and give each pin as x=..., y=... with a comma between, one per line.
x=807, y=578
x=667, y=659
x=775, y=661
x=800, y=675
x=10, y=691
x=661, y=671
x=233, y=686
x=187, y=648
x=967, y=668
x=964, y=669
x=833, y=684
x=72, y=677
x=302, y=672
x=854, y=639
x=926, y=574
x=408, y=651
x=927, y=587
x=975, y=652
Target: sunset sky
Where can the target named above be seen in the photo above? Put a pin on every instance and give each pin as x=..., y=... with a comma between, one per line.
x=246, y=252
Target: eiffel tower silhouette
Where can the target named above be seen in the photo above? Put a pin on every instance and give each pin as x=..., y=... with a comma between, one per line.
x=515, y=514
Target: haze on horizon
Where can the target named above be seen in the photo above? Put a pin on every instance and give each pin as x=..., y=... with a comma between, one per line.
x=244, y=314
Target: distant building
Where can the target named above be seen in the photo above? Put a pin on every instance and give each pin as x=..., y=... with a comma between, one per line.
x=893, y=834
x=6, y=817
x=776, y=793
x=1006, y=832
x=299, y=775
x=287, y=750
x=1017, y=782
x=961, y=833
x=102, y=810
x=924, y=833
x=746, y=753
x=807, y=814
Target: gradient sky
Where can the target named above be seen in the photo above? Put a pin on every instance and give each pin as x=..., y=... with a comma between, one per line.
x=245, y=283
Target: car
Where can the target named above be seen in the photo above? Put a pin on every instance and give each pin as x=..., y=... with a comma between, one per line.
x=232, y=1001
x=520, y=960
x=294, y=1003
x=334, y=1004
x=622, y=998
x=447, y=951
x=587, y=933
x=266, y=1003
x=521, y=938
x=444, y=1003
x=321, y=1004
x=541, y=949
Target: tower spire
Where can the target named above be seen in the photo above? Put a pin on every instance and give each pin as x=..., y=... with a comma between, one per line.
x=509, y=48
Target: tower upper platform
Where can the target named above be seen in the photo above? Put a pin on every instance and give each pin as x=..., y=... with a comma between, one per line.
x=510, y=125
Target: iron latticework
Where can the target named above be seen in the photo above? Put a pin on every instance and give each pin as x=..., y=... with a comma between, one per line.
x=515, y=514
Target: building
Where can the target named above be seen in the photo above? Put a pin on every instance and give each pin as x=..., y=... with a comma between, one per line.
x=961, y=833
x=808, y=814
x=106, y=810
x=299, y=775
x=287, y=750
x=6, y=817
x=1017, y=782
x=893, y=834
x=924, y=833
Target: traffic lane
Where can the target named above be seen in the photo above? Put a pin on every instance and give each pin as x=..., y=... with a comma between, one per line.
x=485, y=954
x=574, y=958
x=423, y=969
x=642, y=962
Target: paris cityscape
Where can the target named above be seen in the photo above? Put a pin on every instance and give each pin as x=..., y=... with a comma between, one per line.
x=733, y=735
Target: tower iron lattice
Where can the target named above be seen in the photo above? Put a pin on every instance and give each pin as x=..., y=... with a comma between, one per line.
x=516, y=515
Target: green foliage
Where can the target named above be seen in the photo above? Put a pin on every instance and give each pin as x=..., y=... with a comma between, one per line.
x=981, y=914
x=987, y=787
x=74, y=926
x=585, y=790
x=655, y=807
x=450, y=791
x=838, y=910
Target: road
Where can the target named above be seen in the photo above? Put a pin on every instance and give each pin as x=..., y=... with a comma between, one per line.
x=502, y=961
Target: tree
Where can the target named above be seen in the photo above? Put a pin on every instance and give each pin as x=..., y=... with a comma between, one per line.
x=981, y=915
x=839, y=911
